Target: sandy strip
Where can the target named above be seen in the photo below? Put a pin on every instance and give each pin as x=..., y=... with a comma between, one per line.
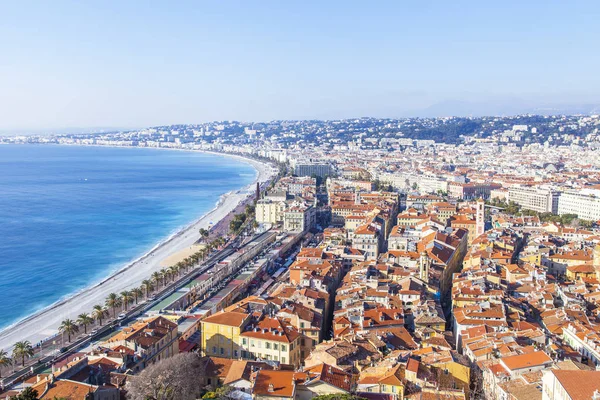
x=45, y=323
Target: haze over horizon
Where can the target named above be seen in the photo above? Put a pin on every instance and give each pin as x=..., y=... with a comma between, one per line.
x=68, y=64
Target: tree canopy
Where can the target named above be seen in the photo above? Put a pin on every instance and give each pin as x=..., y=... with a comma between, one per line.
x=175, y=378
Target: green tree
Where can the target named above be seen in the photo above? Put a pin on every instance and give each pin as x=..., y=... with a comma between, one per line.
x=203, y=233
x=84, y=320
x=126, y=298
x=4, y=360
x=113, y=301
x=27, y=394
x=137, y=293
x=340, y=396
x=22, y=350
x=148, y=286
x=156, y=277
x=99, y=313
x=69, y=327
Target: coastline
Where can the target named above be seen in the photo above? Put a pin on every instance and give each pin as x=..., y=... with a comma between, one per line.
x=44, y=323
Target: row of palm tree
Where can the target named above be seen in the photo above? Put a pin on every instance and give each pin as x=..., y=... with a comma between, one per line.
x=23, y=350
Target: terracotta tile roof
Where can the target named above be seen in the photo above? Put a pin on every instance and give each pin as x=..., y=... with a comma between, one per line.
x=579, y=385
x=227, y=318
x=527, y=360
x=329, y=374
x=277, y=383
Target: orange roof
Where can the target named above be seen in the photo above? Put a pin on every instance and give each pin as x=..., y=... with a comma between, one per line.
x=527, y=360
x=226, y=318
x=579, y=385
x=277, y=383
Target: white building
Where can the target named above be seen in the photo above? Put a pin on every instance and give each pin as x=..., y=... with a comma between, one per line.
x=535, y=198
x=584, y=203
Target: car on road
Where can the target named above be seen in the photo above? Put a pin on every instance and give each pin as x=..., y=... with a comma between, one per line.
x=94, y=331
x=122, y=316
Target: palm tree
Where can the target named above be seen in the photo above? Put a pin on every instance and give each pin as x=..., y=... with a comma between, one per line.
x=148, y=286
x=181, y=265
x=171, y=272
x=156, y=277
x=22, y=350
x=85, y=320
x=137, y=293
x=69, y=327
x=163, y=273
x=113, y=301
x=4, y=360
x=99, y=313
x=126, y=297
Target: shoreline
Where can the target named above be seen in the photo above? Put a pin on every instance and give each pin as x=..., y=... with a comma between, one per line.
x=43, y=324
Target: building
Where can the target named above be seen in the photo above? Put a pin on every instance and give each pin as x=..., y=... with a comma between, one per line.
x=472, y=190
x=269, y=211
x=367, y=239
x=152, y=340
x=535, y=198
x=304, y=168
x=238, y=335
x=585, y=204
x=299, y=218
x=570, y=385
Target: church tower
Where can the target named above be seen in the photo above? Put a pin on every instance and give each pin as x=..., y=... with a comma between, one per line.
x=596, y=255
x=480, y=218
x=424, y=263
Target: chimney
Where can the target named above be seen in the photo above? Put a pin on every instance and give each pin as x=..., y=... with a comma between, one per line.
x=271, y=388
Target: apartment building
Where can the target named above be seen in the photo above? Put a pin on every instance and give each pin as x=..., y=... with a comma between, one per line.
x=231, y=334
x=585, y=204
x=534, y=198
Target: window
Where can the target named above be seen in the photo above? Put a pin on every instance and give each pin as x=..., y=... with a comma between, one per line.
x=283, y=347
x=222, y=350
x=283, y=360
x=235, y=353
x=383, y=388
x=393, y=389
x=214, y=350
x=244, y=341
x=301, y=324
x=267, y=345
x=259, y=344
x=251, y=343
x=275, y=346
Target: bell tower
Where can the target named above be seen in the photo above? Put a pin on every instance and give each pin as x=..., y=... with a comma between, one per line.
x=480, y=218
x=596, y=258
x=424, y=263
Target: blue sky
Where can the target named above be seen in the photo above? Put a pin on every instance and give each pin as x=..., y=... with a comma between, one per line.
x=132, y=64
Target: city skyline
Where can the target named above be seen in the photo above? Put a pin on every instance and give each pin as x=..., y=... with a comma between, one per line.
x=75, y=65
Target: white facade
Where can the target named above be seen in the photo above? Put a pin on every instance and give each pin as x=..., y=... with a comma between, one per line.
x=533, y=198
x=585, y=204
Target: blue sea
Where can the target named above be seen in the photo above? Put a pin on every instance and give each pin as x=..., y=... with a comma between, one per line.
x=70, y=216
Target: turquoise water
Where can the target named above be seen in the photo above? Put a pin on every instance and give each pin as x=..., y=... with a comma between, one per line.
x=69, y=216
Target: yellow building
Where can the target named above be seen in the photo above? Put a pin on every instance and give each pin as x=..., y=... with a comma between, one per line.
x=220, y=334
x=382, y=380
x=237, y=335
x=454, y=376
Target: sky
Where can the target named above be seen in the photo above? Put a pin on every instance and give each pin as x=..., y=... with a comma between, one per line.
x=142, y=63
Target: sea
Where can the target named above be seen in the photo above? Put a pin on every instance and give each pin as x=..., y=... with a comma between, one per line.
x=72, y=215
